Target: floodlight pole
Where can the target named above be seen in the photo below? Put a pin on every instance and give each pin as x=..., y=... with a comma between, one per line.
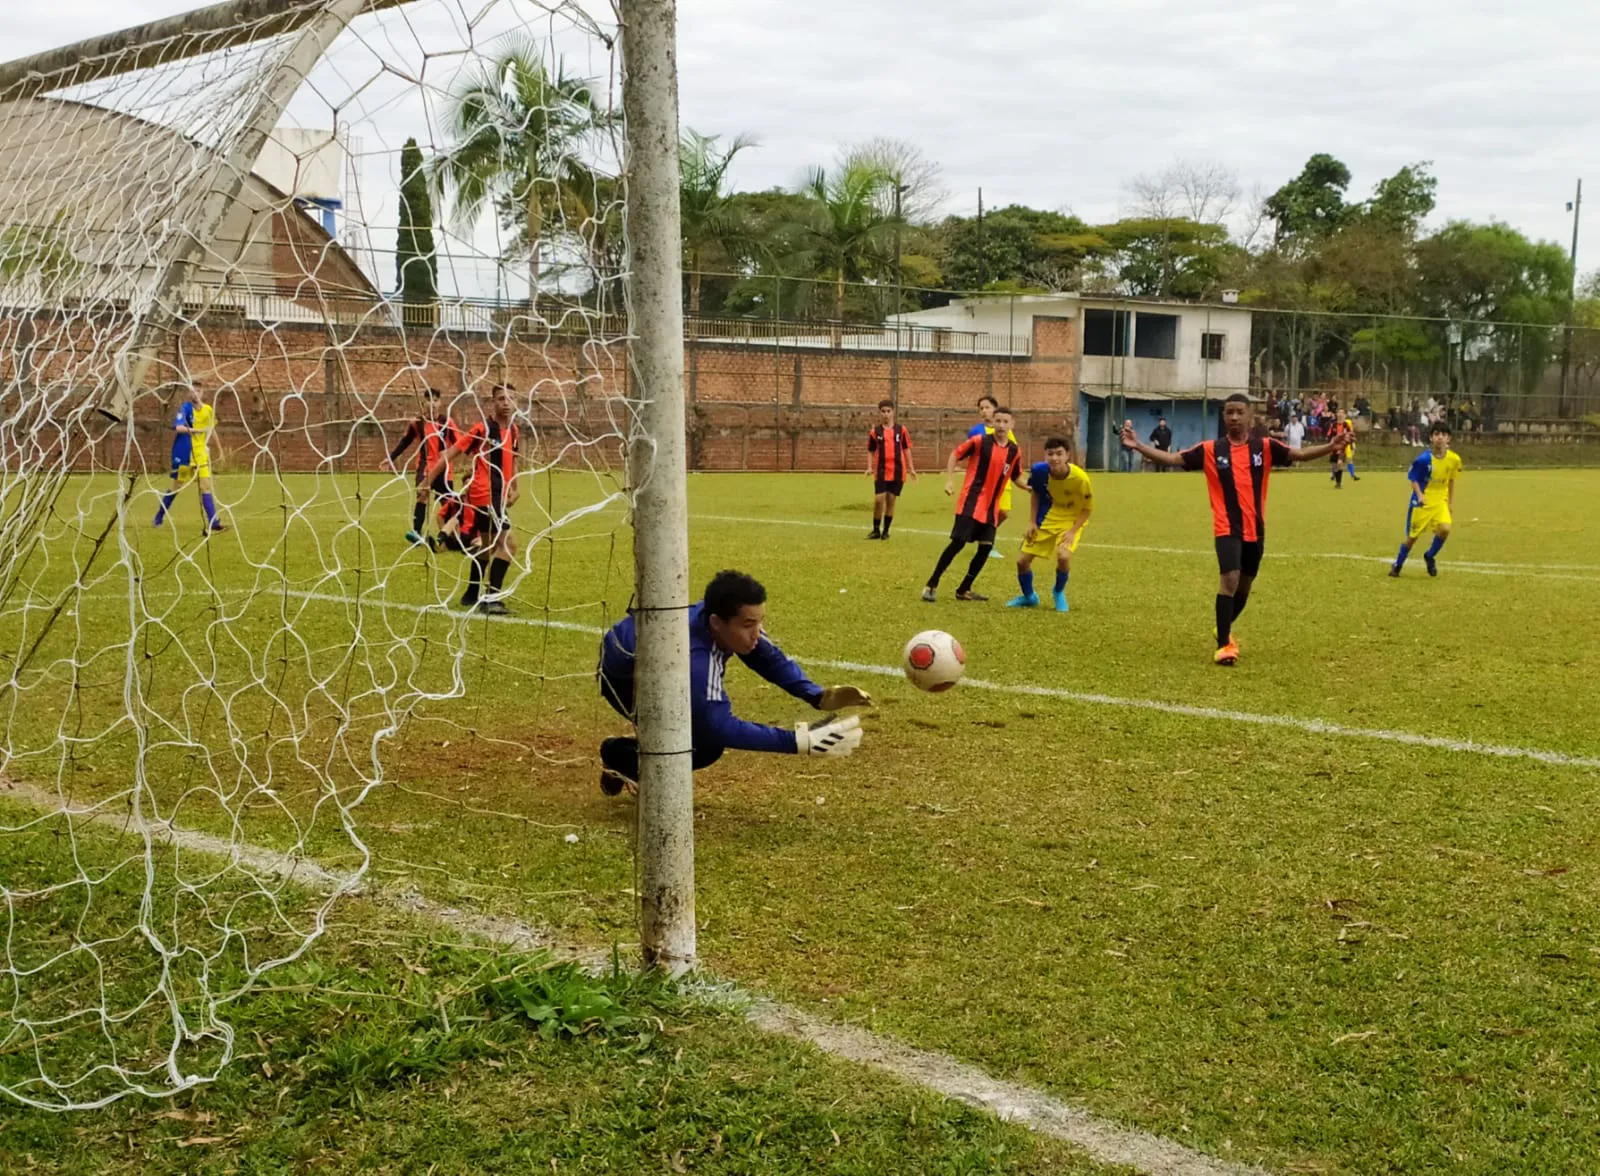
x=657, y=477
x=1576, y=208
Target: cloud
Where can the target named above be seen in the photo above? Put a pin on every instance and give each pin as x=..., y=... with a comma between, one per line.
x=1060, y=105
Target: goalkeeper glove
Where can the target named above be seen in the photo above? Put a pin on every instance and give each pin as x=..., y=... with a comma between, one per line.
x=835, y=737
x=838, y=697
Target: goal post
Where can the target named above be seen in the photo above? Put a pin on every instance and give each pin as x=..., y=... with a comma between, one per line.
x=657, y=470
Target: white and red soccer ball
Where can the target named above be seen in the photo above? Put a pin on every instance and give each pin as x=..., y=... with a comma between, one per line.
x=934, y=661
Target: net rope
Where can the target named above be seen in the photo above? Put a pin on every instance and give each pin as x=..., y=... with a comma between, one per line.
x=260, y=683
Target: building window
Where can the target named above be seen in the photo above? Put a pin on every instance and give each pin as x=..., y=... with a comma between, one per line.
x=1211, y=345
x=1156, y=336
x=1105, y=332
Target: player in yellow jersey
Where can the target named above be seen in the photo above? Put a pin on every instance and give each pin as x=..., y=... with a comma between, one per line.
x=191, y=460
x=1062, y=501
x=1433, y=493
x=986, y=406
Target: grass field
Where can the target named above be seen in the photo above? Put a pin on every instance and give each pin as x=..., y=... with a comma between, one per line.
x=1242, y=909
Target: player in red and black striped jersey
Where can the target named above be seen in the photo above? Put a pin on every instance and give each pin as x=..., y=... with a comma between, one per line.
x=490, y=493
x=433, y=433
x=1238, y=468
x=889, y=464
x=993, y=463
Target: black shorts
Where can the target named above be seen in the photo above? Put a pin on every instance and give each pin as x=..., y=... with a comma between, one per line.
x=440, y=485
x=1235, y=555
x=969, y=530
x=881, y=486
x=482, y=526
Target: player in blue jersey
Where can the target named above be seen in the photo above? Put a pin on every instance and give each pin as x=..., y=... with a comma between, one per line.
x=191, y=459
x=1062, y=501
x=1433, y=493
x=725, y=624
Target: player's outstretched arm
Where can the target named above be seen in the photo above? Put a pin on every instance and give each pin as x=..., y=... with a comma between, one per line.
x=1150, y=453
x=1316, y=451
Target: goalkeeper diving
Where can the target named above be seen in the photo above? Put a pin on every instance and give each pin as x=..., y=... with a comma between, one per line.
x=726, y=623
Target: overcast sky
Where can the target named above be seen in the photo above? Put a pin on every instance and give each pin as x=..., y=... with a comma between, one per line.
x=1058, y=105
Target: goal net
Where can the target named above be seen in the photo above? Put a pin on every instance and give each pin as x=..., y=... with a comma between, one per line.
x=240, y=263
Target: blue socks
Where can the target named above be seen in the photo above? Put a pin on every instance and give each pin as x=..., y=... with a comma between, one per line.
x=1025, y=582
x=1061, y=580
x=1351, y=466
x=1433, y=548
x=166, y=505
x=1400, y=560
x=210, y=504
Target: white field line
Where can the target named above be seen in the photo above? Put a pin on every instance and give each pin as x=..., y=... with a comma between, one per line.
x=1536, y=571
x=1187, y=710
x=1102, y=1139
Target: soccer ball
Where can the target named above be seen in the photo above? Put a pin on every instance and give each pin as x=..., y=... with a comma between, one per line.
x=934, y=661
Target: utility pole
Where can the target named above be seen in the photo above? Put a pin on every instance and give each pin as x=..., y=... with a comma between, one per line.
x=1575, y=207
x=983, y=262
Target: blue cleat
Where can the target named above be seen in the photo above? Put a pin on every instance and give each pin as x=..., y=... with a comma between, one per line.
x=1061, y=600
x=1027, y=601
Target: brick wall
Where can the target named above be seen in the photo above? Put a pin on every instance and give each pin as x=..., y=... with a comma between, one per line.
x=302, y=397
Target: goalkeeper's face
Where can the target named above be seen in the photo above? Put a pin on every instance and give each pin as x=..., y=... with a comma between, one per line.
x=740, y=633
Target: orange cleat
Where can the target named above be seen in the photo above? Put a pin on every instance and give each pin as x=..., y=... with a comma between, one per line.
x=1227, y=655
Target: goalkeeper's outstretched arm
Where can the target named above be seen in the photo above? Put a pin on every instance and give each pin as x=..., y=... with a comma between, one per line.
x=785, y=673
x=715, y=724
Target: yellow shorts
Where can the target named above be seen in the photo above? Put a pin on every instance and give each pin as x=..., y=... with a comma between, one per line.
x=200, y=468
x=1044, y=542
x=1005, y=498
x=1427, y=518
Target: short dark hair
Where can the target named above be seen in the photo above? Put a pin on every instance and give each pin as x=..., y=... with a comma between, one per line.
x=1237, y=398
x=1161, y=420
x=432, y=393
x=1000, y=408
x=1056, y=443
x=1439, y=427
x=730, y=591
x=990, y=399
x=886, y=403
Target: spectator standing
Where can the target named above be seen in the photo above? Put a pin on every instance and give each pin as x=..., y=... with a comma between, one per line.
x=1295, y=434
x=1161, y=438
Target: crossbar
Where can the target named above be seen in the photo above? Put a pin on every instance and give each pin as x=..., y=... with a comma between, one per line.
x=173, y=38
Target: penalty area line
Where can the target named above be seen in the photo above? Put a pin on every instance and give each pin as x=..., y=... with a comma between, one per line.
x=1090, y=698
x=1189, y=710
x=1468, y=567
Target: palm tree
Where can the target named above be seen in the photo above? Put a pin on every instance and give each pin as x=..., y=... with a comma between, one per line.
x=848, y=232
x=713, y=226
x=517, y=135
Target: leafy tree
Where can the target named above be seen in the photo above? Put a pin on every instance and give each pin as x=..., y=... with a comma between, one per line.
x=919, y=178
x=1027, y=248
x=1161, y=258
x=845, y=234
x=1313, y=202
x=714, y=225
x=415, y=258
x=1492, y=272
x=1403, y=201
x=517, y=134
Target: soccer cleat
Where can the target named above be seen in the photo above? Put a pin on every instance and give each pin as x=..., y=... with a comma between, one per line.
x=969, y=594
x=1394, y=571
x=493, y=608
x=875, y=534
x=1026, y=600
x=929, y=595
x=1433, y=564
x=413, y=538
x=215, y=527
x=995, y=555
x=469, y=600
x=1227, y=655
x=1355, y=477
x=1060, y=597
x=613, y=782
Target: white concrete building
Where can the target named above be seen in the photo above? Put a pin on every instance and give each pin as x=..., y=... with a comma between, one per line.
x=1139, y=359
